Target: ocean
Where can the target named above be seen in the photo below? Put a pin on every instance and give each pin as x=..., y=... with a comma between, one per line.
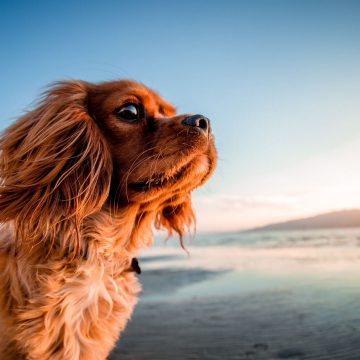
x=268, y=295
x=271, y=239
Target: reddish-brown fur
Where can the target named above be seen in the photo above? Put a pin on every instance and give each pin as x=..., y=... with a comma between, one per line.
x=80, y=191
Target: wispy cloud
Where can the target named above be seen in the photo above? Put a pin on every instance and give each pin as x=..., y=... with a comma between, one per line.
x=234, y=212
x=236, y=202
x=322, y=183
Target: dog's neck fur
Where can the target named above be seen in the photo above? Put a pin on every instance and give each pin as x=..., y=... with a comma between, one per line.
x=99, y=281
x=110, y=239
x=109, y=235
x=112, y=234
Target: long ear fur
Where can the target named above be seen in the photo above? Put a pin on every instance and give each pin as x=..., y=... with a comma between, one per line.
x=55, y=168
x=176, y=216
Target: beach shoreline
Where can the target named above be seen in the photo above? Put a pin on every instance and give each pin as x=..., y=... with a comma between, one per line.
x=246, y=309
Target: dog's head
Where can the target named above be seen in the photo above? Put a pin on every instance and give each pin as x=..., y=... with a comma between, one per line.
x=91, y=146
x=158, y=157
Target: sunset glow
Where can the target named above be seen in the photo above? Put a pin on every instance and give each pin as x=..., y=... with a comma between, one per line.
x=279, y=80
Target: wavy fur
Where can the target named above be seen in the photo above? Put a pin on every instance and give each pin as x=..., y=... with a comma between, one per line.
x=70, y=229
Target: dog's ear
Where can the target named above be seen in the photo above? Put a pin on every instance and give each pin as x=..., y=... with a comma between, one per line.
x=55, y=167
x=176, y=216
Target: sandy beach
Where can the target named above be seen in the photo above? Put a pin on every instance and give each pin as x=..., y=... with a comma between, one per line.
x=228, y=302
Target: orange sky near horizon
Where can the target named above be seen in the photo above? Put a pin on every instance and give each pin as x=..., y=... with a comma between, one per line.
x=323, y=183
x=279, y=80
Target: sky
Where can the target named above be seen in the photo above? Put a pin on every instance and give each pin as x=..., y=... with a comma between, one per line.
x=280, y=81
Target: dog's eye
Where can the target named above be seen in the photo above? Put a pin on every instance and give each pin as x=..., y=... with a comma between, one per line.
x=129, y=112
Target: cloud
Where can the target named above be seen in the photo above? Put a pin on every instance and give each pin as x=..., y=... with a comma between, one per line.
x=322, y=183
x=223, y=212
x=236, y=202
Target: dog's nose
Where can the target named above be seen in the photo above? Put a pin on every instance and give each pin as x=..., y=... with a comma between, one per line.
x=198, y=121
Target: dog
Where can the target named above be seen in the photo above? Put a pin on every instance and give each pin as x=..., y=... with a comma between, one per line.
x=85, y=177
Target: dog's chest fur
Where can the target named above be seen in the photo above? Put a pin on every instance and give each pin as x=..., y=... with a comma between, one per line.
x=73, y=307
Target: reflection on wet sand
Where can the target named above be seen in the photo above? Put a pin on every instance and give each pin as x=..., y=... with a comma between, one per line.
x=247, y=302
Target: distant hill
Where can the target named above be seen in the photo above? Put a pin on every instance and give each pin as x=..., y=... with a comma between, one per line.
x=335, y=219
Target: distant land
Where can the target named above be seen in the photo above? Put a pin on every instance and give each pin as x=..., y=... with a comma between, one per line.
x=330, y=220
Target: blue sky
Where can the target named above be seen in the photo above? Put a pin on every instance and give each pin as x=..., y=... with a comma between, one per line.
x=280, y=81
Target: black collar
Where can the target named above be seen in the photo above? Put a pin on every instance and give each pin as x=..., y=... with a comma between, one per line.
x=135, y=265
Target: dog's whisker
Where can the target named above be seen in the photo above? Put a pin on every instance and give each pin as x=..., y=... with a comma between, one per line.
x=83, y=184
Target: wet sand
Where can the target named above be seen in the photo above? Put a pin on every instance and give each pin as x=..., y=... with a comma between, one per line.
x=187, y=311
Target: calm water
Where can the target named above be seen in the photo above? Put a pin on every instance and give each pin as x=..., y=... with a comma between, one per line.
x=241, y=263
x=267, y=295
x=269, y=239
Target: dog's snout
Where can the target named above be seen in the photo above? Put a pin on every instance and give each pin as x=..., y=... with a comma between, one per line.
x=198, y=121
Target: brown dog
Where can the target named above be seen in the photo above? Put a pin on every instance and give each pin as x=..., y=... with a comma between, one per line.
x=84, y=177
